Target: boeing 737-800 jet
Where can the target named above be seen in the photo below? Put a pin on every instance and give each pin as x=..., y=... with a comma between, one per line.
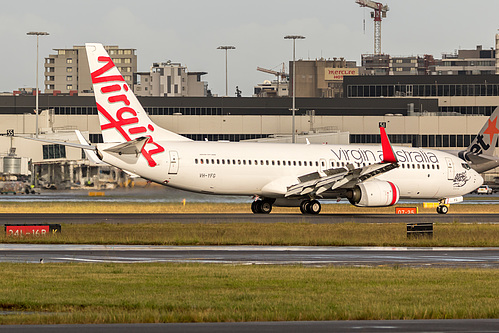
x=274, y=174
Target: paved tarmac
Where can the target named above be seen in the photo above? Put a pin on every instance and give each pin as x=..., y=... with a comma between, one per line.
x=260, y=255
x=23, y=218
x=390, y=326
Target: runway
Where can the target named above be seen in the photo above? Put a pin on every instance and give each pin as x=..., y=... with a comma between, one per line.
x=257, y=255
x=61, y=218
x=393, y=326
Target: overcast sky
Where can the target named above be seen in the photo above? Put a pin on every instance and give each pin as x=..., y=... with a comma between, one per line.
x=190, y=31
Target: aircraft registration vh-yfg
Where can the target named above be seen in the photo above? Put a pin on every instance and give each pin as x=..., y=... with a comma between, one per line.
x=277, y=174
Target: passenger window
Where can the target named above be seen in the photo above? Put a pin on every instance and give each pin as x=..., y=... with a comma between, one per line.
x=223, y=161
x=249, y=162
x=239, y=162
x=207, y=161
x=273, y=162
x=196, y=161
x=267, y=162
x=244, y=162
x=218, y=161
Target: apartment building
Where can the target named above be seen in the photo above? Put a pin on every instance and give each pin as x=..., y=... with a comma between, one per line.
x=67, y=71
x=468, y=62
x=169, y=79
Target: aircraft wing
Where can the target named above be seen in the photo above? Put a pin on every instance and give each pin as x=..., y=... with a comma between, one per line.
x=316, y=183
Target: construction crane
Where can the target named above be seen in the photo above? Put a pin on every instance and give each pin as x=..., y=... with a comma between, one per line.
x=280, y=75
x=379, y=13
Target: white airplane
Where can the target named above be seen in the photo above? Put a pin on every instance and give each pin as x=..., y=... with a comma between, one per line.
x=293, y=175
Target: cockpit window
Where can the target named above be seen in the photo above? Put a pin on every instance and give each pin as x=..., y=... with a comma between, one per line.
x=466, y=166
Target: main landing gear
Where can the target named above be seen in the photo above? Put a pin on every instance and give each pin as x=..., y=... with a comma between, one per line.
x=261, y=206
x=264, y=206
x=442, y=209
x=310, y=207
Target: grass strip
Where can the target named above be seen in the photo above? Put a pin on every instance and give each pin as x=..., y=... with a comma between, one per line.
x=207, y=208
x=305, y=234
x=154, y=293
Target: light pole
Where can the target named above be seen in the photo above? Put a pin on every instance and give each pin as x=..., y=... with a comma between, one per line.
x=37, y=34
x=294, y=38
x=227, y=47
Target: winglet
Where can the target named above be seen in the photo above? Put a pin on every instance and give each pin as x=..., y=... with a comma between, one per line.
x=388, y=153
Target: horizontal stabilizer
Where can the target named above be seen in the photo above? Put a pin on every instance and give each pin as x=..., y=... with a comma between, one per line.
x=63, y=143
x=133, y=147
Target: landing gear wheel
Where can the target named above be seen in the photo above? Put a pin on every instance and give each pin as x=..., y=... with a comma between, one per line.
x=254, y=206
x=442, y=209
x=265, y=207
x=304, y=206
x=310, y=207
x=314, y=207
x=261, y=207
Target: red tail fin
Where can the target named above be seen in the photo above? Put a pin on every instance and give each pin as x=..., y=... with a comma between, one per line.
x=388, y=153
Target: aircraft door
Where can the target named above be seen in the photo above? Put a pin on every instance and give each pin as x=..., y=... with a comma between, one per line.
x=173, y=163
x=450, y=168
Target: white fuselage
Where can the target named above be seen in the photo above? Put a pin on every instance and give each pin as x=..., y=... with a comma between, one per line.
x=267, y=169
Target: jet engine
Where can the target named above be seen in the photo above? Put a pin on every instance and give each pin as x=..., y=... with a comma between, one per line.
x=374, y=193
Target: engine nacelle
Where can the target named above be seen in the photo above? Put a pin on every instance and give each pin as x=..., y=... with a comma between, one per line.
x=374, y=193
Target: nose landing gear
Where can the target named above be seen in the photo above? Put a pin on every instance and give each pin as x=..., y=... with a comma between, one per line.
x=442, y=209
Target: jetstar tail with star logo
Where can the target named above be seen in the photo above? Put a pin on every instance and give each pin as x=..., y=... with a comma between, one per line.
x=485, y=142
x=121, y=116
